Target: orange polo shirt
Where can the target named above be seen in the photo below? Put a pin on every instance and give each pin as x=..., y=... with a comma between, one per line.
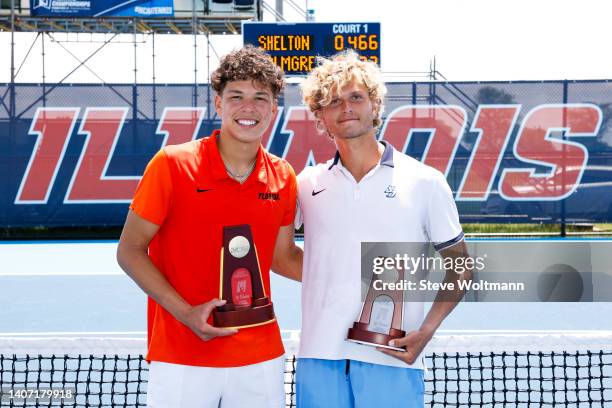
x=187, y=192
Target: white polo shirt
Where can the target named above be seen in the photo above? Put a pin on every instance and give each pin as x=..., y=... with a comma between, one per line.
x=399, y=200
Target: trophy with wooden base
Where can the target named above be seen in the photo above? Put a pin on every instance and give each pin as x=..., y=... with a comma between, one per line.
x=381, y=316
x=241, y=284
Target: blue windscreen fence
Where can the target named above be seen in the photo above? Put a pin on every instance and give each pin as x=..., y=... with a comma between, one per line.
x=72, y=155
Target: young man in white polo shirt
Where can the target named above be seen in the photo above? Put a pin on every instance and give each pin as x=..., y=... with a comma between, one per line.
x=369, y=192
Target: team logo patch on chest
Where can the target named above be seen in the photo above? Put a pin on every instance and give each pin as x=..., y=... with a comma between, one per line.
x=390, y=191
x=269, y=196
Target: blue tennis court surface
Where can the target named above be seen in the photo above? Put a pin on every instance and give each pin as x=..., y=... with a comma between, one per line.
x=76, y=288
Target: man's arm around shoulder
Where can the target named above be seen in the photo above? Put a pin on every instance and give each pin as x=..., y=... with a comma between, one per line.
x=288, y=257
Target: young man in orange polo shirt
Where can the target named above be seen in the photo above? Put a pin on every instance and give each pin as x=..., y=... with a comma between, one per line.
x=172, y=239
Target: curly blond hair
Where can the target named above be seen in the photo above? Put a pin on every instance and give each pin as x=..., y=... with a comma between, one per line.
x=332, y=74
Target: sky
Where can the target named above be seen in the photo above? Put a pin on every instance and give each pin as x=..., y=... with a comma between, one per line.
x=475, y=40
x=491, y=39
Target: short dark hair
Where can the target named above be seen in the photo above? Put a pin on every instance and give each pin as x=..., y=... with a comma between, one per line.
x=248, y=63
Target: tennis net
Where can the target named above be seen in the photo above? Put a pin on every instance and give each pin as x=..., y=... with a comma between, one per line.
x=463, y=370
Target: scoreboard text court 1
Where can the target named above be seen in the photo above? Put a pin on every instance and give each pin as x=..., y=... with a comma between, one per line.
x=295, y=46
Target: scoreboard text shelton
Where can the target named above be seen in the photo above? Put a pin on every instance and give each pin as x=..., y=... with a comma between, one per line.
x=295, y=46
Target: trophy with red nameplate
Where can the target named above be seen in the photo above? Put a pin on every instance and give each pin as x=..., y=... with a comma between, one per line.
x=241, y=282
x=381, y=317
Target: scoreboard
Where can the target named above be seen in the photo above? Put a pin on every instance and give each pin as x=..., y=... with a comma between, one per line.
x=295, y=46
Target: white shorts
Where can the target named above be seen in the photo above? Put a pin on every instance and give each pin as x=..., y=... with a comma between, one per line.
x=258, y=386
